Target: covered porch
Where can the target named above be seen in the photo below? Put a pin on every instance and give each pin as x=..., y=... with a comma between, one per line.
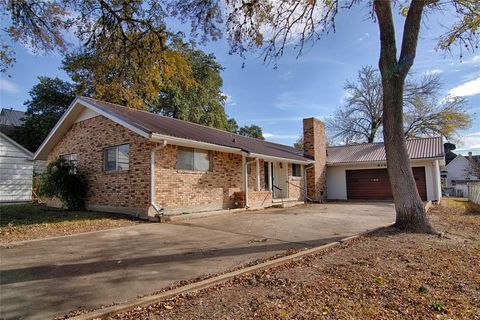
x=270, y=181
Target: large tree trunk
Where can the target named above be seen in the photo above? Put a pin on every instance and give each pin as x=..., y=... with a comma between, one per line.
x=411, y=214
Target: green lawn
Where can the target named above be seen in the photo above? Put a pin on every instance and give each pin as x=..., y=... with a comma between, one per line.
x=29, y=221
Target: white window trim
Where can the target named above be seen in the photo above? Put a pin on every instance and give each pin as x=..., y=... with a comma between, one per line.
x=117, y=153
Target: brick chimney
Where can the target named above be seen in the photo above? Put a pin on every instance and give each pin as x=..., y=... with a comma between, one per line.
x=470, y=157
x=315, y=148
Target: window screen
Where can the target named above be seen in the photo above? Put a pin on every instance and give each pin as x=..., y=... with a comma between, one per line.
x=193, y=159
x=72, y=158
x=185, y=159
x=117, y=158
x=201, y=160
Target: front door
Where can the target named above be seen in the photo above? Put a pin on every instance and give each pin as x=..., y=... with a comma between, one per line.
x=279, y=179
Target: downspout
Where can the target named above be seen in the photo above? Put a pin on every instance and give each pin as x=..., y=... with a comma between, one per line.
x=305, y=182
x=246, y=181
x=159, y=211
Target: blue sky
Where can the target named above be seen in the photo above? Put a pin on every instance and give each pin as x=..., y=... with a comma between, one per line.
x=311, y=85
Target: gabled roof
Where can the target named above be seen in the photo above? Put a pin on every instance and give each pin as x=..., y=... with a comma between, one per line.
x=10, y=117
x=464, y=159
x=154, y=126
x=423, y=148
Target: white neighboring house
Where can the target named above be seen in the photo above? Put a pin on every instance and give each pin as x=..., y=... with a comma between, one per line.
x=16, y=171
x=459, y=175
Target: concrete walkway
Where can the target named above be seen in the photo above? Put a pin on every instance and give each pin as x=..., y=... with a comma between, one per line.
x=48, y=278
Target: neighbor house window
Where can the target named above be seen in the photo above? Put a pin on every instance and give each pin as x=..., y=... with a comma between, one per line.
x=296, y=170
x=193, y=159
x=116, y=158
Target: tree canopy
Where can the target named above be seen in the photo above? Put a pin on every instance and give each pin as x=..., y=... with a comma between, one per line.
x=252, y=131
x=191, y=91
x=48, y=101
x=427, y=113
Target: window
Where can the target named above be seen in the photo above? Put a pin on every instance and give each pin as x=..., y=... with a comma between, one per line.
x=193, y=159
x=72, y=158
x=116, y=158
x=296, y=170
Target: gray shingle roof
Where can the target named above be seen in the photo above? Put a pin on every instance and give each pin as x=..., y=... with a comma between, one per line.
x=10, y=117
x=154, y=123
x=423, y=148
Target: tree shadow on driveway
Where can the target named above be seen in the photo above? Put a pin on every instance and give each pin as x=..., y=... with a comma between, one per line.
x=52, y=271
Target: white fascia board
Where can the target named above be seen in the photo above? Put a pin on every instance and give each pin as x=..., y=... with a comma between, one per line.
x=116, y=119
x=412, y=161
x=86, y=104
x=193, y=143
x=55, y=128
x=272, y=158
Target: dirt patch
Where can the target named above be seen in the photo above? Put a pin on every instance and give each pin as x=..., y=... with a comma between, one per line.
x=388, y=275
x=28, y=222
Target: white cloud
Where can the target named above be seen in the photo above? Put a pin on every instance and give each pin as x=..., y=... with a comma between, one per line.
x=229, y=100
x=273, y=119
x=268, y=135
x=475, y=60
x=469, y=142
x=8, y=86
x=288, y=100
x=469, y=88
x=433, y=72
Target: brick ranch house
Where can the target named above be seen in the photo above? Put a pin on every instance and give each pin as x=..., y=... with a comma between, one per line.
x=144, y=164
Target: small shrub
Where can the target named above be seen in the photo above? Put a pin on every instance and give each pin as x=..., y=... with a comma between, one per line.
x=437, y=305
x=63, y=180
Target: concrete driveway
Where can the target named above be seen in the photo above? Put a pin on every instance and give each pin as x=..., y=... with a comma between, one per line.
x=47, y=278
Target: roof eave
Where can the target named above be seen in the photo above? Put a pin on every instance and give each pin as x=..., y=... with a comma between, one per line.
x=45, y=148
x=157, y=137
x=336, y=164
x=273, y=158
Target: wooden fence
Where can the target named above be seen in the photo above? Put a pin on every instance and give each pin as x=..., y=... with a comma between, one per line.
x=474, y=192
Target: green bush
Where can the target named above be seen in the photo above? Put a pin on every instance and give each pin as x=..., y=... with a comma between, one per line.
x=63, y=180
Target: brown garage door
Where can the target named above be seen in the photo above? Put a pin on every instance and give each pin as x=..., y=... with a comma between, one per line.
x=373, y=184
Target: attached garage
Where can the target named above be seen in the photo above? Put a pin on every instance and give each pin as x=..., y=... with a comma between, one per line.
x=373, y=184
x=358, y=172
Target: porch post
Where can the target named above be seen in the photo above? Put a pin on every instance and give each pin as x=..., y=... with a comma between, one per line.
x=270, y=176
x=244, y=182
x=438, y=183
x=257, y=164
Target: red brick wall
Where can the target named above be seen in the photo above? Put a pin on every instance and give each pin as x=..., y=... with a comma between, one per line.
x=256, y=199
x=252, y=175
x=314, y=146
x=175, y=190
x=189, y=191
x=296, y=186
x=125, y=189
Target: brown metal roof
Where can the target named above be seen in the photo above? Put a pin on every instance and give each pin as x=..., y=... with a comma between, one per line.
x=423, y=148
x=154, y=123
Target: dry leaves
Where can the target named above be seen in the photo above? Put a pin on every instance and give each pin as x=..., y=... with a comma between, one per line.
x=388, y=275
